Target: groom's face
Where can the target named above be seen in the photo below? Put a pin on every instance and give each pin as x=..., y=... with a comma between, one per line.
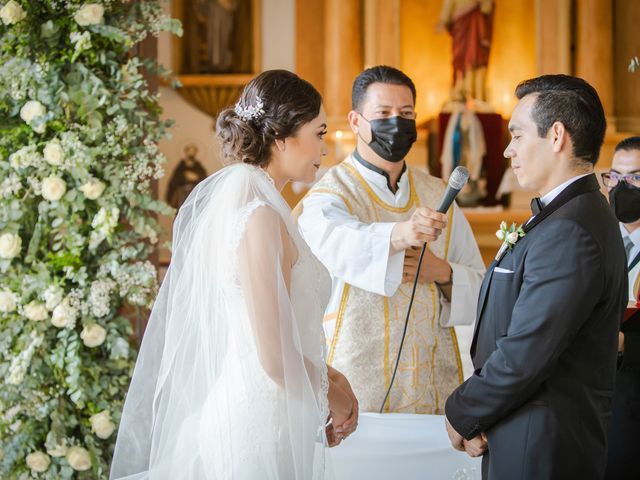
x=531, y=155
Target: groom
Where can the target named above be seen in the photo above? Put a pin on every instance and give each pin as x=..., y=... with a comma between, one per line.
x=545, y=343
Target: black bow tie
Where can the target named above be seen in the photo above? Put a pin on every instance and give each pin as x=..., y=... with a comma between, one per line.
x=536, y=206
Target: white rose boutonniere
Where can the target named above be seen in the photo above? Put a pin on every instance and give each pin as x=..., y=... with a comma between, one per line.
x=509, y=235
x=12, y=13
x=38, y=462
x=10, y=245
x=53, y=188
x=102, y=425
x=89, y=14
x=79, y=459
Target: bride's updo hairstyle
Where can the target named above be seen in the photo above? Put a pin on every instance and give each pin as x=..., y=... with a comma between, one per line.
x=273, y=106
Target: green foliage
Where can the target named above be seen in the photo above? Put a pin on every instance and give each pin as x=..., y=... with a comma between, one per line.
x=79, y=129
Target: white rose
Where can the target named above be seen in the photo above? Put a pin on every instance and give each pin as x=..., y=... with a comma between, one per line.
x=59, y=450
x=93, y=335
x=89, y=14
x=38, y=461
x=64, y=315
x=53, y=153
x=7, y=301
x=40, y=128
x=93, y=189
x=12, y=13
x=78, y=458
x=10, y=245
x=500, y=235
x=32, y=110
x=512, y=237
x=52, y=296
x=53, y=188
x=36, y=311
x=102, y=425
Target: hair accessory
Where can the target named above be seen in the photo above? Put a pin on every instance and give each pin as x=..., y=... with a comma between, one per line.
x=250, y=112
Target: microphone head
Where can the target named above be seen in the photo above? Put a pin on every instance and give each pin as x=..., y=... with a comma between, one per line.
x=458, y=177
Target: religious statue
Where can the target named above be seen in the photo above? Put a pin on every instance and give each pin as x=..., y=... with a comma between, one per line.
x=218, y=36
x=470, y=24
x=185, y=177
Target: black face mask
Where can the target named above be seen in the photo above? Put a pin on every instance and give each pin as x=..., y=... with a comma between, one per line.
x=392, y=138
x=625, y=201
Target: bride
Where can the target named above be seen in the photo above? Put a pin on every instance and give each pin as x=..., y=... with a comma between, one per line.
x=231, y=380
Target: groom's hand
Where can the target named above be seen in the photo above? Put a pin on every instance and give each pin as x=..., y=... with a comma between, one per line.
x=477, y=446
x=456, y=439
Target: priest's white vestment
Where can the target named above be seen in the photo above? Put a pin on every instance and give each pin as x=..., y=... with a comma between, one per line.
x=347, y=219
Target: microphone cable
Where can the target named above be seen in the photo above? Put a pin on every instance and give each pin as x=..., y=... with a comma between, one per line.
x=406, y=325
x=457, y=180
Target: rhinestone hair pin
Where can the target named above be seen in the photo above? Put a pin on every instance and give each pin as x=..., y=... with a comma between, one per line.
x=250, y=112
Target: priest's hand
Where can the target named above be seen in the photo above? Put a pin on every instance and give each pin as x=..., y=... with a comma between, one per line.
x=425, y=225
x=457, y=441
x=477, y=446
x=433, y=269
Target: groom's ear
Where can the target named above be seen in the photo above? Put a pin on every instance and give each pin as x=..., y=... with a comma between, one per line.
x=559, y=137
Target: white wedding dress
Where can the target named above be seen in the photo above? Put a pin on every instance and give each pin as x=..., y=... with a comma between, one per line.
x=231, y=380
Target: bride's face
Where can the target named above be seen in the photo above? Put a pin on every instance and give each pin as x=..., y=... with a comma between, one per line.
x=299, y=156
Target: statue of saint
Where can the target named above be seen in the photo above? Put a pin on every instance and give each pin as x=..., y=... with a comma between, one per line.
x=210, y=27
x=470, y=24
x=185, y=177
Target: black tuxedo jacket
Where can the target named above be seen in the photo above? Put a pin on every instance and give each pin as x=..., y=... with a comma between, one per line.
x=545, y=344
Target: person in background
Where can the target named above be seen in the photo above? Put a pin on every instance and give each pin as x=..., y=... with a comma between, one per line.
x=623, y=183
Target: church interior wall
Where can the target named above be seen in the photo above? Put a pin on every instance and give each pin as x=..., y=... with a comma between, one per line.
x=530, y=37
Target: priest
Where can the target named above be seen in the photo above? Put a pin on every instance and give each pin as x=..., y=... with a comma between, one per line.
x=366, y=220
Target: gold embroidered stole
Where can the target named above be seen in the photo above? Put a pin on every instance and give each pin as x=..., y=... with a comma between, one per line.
x=365, y=332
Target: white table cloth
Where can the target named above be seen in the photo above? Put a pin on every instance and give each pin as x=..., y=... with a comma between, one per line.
x=401, y=447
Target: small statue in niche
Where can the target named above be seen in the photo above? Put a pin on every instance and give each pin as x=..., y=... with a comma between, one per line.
x=185, y=177
x=470, y=23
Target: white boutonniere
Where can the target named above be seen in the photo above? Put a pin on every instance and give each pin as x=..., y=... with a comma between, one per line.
x=509, y=236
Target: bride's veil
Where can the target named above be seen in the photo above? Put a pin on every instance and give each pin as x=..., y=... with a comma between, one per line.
x=228, y=382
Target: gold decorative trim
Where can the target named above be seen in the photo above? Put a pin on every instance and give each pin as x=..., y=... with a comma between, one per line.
x=456, y=347
x=387, y=373
x=448, y=240
x=330, y=191
x=336, y=333
x=378, y=200
x=434, y=325
x=452, y=330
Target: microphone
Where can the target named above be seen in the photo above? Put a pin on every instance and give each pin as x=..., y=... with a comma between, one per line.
x=457, y=180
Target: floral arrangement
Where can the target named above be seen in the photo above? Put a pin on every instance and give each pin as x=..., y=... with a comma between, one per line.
x=509, y=235
x=78, y=151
